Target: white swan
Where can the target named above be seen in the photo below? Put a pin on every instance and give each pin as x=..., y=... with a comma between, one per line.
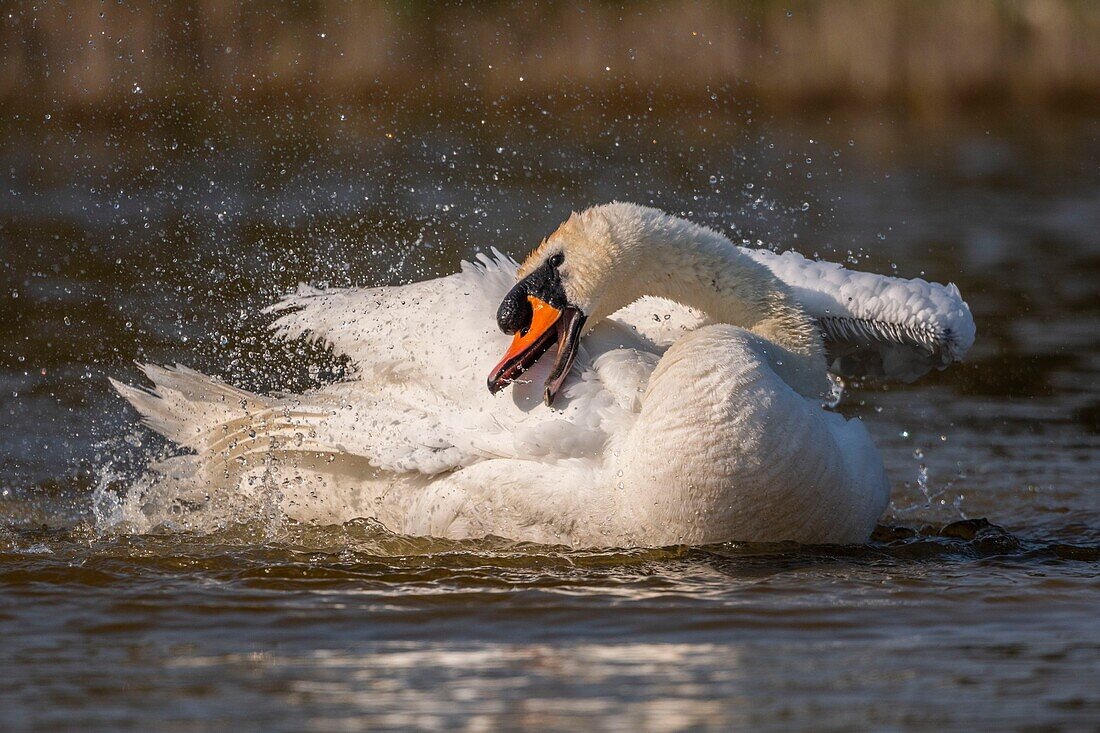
x=693, y=419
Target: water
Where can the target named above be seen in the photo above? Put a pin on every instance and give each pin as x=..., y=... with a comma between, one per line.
x=158, y=235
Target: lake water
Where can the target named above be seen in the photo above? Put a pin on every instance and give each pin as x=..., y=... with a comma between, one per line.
x=158, y=234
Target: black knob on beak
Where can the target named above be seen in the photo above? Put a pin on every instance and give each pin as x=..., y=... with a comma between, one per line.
x=514, y=313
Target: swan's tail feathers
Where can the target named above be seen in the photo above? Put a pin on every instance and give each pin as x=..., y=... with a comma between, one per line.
x=876, y=325
x=213, y=418
x=257, y=451
x=231, y=428
x=186, y=406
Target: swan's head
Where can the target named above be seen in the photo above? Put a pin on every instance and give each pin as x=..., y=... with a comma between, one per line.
x=572, y=278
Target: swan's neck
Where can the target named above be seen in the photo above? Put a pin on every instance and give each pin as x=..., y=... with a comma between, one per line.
x=686, y=263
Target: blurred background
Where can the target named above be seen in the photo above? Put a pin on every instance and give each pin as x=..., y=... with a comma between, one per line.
x=168, y=169
x=926, y=55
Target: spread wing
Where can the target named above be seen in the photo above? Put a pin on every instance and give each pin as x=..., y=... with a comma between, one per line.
x=876, y=325
x=872, y=325
x=422, y=352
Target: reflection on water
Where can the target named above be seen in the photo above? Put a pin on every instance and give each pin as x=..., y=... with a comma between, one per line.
x=330, y=628
x=160, y=239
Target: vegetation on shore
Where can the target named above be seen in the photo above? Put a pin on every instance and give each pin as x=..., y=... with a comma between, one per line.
x=922, y=53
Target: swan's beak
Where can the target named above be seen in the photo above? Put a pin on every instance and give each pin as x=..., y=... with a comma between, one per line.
x=528, y=345
x=547, y=325
x=569, y=340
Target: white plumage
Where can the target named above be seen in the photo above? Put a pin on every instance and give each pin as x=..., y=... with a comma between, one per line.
x=675, y=426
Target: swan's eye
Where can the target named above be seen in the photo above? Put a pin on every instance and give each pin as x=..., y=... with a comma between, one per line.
x=556, y=259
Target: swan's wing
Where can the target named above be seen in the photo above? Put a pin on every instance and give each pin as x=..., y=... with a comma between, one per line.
x=388, y=332
x=873, y=325
x=422, y=353
x=876, y=325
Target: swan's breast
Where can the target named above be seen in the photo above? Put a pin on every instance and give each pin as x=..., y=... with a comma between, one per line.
x=725, y=449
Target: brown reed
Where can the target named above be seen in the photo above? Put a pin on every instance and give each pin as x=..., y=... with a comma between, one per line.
x=924, y=53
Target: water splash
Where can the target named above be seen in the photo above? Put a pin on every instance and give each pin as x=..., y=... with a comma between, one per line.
x=931, y=502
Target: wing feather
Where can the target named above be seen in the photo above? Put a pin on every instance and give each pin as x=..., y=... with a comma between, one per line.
x=418, y=399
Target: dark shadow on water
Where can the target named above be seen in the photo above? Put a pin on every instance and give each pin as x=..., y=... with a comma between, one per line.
x=364, y=554
x=958, y=542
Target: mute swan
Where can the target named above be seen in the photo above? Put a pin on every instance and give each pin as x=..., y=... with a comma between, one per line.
x=683, y=404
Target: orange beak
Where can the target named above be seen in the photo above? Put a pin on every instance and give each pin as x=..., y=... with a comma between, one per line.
x=527, y=345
